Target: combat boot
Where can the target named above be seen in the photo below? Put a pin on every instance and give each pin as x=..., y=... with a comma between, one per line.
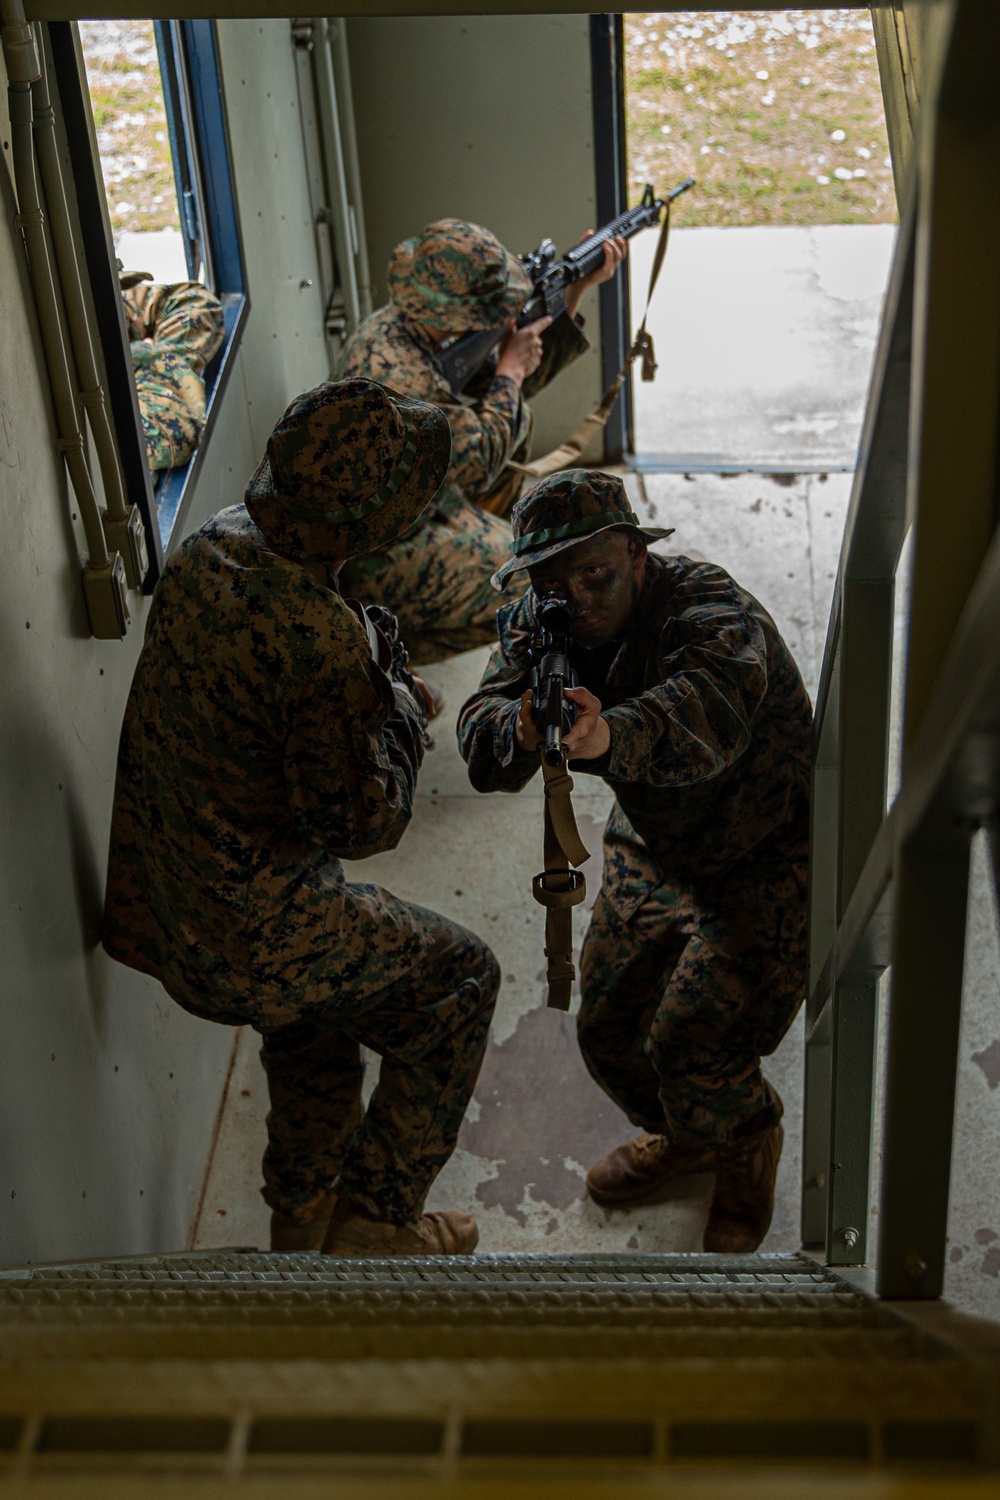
x=639, y=1167
x=292, y=1237
x=743, y=1201
x=446, y=1233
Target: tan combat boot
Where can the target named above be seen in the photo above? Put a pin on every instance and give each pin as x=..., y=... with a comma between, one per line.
x=743, y=1201
x=638, y=1168
x=292, y=1237
x=354, y=1233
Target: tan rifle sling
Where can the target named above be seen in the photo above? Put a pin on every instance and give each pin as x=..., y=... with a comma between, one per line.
x=569, y=452
x=559, y=888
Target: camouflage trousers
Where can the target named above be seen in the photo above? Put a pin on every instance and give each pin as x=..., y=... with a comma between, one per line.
x=436, y=578
x=175, y=331
x=683, y=995
x=429, y=1026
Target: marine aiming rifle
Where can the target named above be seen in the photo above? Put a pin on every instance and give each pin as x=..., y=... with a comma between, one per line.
x=462, y=358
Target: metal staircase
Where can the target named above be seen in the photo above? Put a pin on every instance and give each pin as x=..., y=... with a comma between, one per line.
x=682, y=1376
x=496, y=1374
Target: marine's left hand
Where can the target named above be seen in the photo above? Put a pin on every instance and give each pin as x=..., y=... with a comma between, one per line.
x=615, y=252
x=590, y=736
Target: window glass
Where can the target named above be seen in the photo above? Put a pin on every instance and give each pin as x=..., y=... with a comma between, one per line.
x=133, y=137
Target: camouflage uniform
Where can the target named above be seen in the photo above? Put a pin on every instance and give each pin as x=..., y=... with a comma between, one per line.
x=456, y=278
x=694, y=963
x=262, y=745
x=185, y=323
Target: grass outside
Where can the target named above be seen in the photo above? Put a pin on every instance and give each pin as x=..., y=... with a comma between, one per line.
x=778, y=115
x=127, y=99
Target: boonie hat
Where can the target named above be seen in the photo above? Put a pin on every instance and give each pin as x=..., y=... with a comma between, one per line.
x=458, y=278
x=349, y=466
x=565, y=509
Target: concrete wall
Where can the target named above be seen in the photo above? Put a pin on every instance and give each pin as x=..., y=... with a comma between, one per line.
x=485, y=118
x=108, y=1091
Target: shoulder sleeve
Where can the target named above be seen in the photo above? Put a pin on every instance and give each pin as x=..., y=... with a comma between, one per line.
x=486, y=736
x=710, y=671
x=485, y=430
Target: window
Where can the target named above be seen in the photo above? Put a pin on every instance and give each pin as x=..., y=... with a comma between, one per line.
x=147, y=134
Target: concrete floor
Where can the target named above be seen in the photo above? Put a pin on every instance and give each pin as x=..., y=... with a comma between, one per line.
x=778, y=374
x=537, y=1120
x=764, y=339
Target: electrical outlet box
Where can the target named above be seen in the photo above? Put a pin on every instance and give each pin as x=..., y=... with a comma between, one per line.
x=106, y=592
x=128, y=536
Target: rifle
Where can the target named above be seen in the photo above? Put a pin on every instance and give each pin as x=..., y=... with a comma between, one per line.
x=458, y=361
x=558, y=887
x=553, y=713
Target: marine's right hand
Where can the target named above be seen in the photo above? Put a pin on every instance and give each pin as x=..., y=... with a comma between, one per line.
x=525, y=733
x=521, y=351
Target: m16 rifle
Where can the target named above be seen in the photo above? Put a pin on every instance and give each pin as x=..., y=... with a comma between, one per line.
x=553, y=713
x=558, y=887
x=462, y=358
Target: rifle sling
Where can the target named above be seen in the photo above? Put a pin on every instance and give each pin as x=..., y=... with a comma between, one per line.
x=559, y=888
x=567, y=454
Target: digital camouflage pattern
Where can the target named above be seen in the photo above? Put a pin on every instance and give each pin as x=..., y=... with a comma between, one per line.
x=682, y=999
x=703, y=895
x=424, y=577
x=429, y=1026
x=349, y=464
x=174, y=332
x=490, y=423
x=458, y=278
x=561, y=510
x=261, y=746
x=436, y=578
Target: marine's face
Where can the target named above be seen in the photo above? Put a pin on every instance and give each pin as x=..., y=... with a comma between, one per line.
x=601, y=578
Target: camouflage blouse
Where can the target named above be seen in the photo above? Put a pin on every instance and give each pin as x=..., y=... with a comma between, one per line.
x=710, y=721
x=261, y=745
x=489, y=421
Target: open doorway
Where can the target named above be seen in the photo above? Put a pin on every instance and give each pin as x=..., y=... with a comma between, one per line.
x=537, y=1119
x=766, y=315
x=765, y=320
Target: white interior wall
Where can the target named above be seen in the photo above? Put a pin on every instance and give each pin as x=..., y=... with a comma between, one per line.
x=486, y=118
x=109, y=1091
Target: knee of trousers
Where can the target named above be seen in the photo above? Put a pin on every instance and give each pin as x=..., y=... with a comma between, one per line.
x=597, y=1044
x=488, y=978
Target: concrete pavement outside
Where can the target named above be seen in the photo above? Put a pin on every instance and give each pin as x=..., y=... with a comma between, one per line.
x=764, y=338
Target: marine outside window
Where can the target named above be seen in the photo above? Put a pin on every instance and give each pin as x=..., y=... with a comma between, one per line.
x=146, y=131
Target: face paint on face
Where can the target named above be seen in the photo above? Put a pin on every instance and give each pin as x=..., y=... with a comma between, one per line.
x=601, y=579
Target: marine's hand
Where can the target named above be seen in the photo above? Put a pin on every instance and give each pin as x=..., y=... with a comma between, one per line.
x=521, y=351
x=590, y=736
x=525, y=733
x=615, y=252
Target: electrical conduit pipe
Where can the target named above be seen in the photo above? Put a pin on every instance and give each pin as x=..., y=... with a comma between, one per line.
x=21, y=60
x=119, y=521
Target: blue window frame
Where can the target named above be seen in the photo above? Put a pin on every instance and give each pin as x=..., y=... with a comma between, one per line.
x=199, y=140
x=196, y=120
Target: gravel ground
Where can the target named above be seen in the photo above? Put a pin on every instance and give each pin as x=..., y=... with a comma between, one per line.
x=778, y=115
